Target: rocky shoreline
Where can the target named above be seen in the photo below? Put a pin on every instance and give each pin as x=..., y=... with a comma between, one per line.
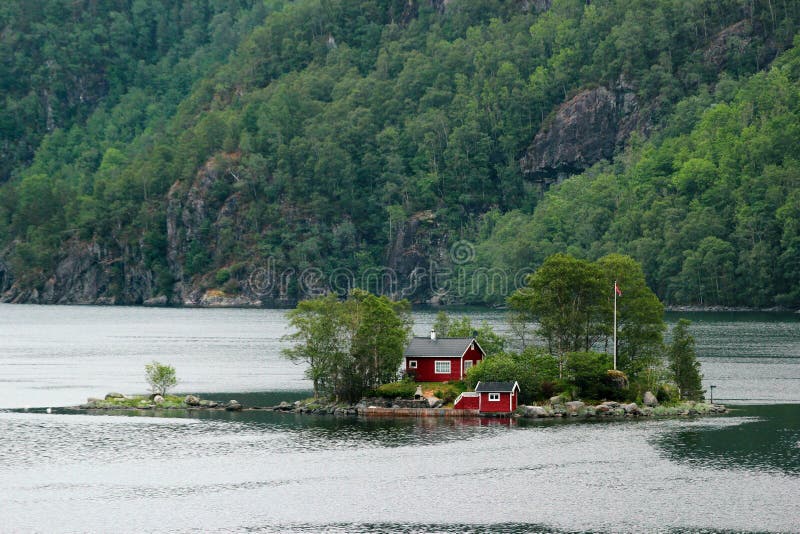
x=556, y=408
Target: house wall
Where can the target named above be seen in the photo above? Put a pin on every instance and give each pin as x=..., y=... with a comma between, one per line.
x=469, y=402
x=426, y=367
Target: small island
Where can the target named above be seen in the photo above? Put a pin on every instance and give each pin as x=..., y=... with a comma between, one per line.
x=353, y=348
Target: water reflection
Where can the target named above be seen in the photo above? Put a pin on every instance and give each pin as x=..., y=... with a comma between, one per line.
x=765, y=440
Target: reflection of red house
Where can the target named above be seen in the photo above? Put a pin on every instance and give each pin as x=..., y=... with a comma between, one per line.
x=441, y=359
x=490, y=397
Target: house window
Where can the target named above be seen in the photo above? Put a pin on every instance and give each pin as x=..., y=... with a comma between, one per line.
x=467, y=365
x=494, y=397
x=412, y=364
x=441, y=367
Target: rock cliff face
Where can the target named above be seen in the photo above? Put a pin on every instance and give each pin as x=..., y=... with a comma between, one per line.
x=584, y=130
x=87, y=273
x=418, y=257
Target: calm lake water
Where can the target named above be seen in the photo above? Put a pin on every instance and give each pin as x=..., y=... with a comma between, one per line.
x=271, y=472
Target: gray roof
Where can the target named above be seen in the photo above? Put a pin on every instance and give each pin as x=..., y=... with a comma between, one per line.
x=443, y=347
x=496, y=387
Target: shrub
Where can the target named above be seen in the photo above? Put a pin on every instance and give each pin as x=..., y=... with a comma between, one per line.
x=222, y=276
x=667, y=394
x=396, y=389
x=590, y=377
x=449, y=392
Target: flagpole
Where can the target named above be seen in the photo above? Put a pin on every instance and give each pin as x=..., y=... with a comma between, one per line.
x=615, y=325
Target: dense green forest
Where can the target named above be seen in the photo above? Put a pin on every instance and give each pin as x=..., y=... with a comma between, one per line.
x=168, y=149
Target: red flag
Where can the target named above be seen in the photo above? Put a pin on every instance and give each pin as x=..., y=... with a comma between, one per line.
x=617, y=290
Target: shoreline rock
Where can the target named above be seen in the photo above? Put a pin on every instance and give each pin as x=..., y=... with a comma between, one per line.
x=558, y=407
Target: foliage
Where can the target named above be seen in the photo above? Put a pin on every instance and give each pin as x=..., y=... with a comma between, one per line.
x=590, y=377
x=487, y=338
x=571, y=302
x=708, y=205
x=683, y=362
x=328, y=124
x=160, y=377
x=350, y=346
x=403, y=389
x=449, y=392
x=534, y=369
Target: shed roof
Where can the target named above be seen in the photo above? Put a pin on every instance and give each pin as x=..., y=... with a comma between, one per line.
x=496, y=387
x=442, y=347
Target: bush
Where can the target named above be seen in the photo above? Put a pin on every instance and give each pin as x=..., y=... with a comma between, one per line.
x=404, y=389
x=590, y=376
x=667, y=394
x=534, y=369
x=449, y=392
x=222, y=276
x=160, y=377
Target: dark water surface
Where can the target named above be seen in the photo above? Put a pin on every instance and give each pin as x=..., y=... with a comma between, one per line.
x=264, y=471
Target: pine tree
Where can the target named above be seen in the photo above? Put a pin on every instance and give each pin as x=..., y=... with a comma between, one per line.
x=683, y=362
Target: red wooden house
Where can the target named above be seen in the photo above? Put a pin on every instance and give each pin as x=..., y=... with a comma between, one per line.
x=433, y=359
x=490, y=397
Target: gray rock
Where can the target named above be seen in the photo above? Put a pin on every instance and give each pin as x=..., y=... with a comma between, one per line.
x=160, y=300
x=556, y=400
x=611, y=404
x=111, y=396
x=648, y=399
x=233, y=406
x=158, y=399
x=574, y=407
x=191, y=400
x=534, y=411
x=602, y=409
x=632, y=409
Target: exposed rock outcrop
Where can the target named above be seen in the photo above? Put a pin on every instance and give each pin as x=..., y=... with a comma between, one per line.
x=419, y=249
x=584, y=130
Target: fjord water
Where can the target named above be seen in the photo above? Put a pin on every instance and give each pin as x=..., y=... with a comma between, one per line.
x=275, y=472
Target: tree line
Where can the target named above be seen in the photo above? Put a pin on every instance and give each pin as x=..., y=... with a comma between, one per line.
x=329, y=123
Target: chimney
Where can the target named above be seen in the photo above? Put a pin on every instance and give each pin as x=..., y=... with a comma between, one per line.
x=433, y=334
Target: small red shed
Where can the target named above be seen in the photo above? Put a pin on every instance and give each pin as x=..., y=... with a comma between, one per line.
x=497, y=397
x=434, y=359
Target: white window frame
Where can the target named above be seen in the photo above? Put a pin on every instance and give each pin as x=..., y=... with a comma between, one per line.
x=436, y=367
x=494, y=397
x=412, y=364
x=468, y=365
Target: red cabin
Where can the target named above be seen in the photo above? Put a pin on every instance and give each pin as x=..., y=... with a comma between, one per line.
x=497, y=397
x=441, y=359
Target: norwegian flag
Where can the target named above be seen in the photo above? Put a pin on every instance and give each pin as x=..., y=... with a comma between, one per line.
x=617, y=290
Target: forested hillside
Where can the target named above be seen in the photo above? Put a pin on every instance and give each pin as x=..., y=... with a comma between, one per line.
x=165, y=151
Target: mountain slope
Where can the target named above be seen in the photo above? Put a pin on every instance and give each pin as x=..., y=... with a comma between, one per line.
x=345, y=138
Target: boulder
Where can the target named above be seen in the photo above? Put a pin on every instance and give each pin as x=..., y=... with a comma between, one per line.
x=534, y=411
x=233, y=406
x=602, y=409
x=191, y=400
x=648, y=399
x=556, y=400
x=158, y=399
x=611, y=404
x=574, y=407
x=112, y=396
x=631, y=409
